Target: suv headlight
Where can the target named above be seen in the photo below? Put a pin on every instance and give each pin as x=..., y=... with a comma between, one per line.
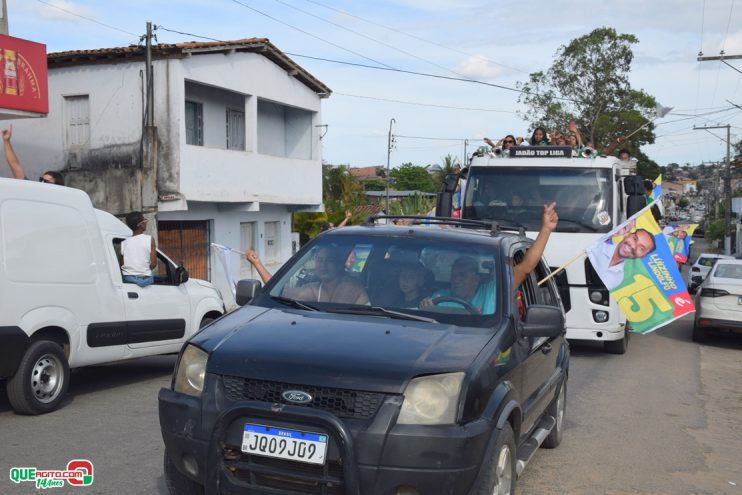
x=431, y=400
x=189, y=379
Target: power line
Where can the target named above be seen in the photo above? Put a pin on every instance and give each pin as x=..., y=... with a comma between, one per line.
x=368, y=37
x=344, y=12
x=310, y=34
x=87, y=18
x=156, y=27
x=433, y=105
x=460, y=79
x=433, y=138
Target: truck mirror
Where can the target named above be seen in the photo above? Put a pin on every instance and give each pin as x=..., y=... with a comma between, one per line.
x=181, y=275
x=543, y=321
x=247, y=290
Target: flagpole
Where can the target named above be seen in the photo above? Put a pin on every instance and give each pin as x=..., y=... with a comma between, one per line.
x=553, y=273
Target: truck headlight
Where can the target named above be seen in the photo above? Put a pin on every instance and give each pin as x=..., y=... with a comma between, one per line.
x=431, y=400
x=189, y=379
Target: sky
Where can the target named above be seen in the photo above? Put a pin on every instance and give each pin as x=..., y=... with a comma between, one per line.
x=495, y=42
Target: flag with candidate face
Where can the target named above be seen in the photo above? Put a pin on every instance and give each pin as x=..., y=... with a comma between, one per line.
x=635, y=263
x=679, y=238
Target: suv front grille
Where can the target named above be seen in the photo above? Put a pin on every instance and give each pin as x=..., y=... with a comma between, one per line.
x=264, y=472
x=340, y=402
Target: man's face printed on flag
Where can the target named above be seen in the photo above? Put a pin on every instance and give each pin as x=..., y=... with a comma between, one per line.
x=636, y=244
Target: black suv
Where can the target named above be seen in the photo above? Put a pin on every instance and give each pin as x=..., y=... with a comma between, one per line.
x=361, y=369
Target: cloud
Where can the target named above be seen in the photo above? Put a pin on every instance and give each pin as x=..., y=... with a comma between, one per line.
x=63, y=10
x=479, y=67
x=733, y=44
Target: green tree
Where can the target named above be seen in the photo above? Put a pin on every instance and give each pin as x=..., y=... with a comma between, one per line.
x=409, y=177
x=449, y=165
x=589, y=82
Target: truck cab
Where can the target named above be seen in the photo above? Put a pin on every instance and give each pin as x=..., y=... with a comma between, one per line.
x=511, y=189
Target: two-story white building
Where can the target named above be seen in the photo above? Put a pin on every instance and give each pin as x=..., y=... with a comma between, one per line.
x=234, y=151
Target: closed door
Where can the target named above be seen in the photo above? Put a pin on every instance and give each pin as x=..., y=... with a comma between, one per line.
x=186, y=243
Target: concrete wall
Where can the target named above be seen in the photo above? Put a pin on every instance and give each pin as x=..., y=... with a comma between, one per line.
x=225, y=220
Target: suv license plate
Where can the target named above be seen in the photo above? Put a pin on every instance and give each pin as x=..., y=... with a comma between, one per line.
x=293, y=445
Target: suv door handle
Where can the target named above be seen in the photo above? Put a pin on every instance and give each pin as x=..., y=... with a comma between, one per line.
x=546, y=348
x=132, y=295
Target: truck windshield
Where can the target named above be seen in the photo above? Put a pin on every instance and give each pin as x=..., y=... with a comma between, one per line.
x=516, y=195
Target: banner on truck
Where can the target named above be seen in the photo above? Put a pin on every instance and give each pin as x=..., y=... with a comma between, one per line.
x=635, y=263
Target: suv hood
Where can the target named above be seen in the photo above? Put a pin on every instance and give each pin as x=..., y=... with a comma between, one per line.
x=343, y=351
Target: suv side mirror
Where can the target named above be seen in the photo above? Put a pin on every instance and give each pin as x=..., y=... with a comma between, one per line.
x=180, y=276
x=543, y=321
x=247, y=290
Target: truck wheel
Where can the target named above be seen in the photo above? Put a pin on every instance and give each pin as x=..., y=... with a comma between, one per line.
x=498, y=474
x=698, y=334
x=557, y=408
x=618, y=346
x=41, y=381
x=177, y=482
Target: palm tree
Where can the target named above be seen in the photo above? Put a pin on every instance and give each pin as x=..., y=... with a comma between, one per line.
x=449, y=165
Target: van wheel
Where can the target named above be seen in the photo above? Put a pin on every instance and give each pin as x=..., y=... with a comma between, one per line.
x=178, y=483
x=618, y=346
x=41, y=381
x=557, y=409
x=498, y=473
x=205, y=321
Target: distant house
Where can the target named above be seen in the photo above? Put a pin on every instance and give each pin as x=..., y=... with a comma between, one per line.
x=234, y=148
x=674, y=188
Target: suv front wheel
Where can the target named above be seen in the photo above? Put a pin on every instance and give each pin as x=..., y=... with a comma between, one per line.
x=499, y=471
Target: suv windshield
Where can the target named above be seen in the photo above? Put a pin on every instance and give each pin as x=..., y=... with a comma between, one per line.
x=392, y=276
x=517, y=195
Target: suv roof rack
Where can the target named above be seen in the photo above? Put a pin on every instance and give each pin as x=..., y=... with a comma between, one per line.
x=491, y=225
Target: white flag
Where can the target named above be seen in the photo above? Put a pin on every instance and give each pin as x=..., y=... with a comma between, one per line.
x=222, y=254
x=661, y=111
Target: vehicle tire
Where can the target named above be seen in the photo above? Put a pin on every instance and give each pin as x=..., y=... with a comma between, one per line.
x=698, y=334
x=498, y=473
x=205, y=321
x=41, y=381
x=557, y=410
x=618, y=346
x=177, y=482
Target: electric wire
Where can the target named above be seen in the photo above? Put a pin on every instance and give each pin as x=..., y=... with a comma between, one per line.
x=432, y=105
x=87, y=18
x=340, y=26
x=310, y=34
x=424, y=40
x=157, y=26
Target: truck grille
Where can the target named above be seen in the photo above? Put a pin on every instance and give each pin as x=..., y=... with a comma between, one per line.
x=340, y=402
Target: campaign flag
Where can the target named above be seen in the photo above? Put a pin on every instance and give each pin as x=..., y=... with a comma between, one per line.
x=678, y=237
x=222, y=254
x=657, y=189
x=636, y=265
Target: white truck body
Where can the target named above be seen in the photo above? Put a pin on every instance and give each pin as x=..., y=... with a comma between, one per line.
x=590, y=203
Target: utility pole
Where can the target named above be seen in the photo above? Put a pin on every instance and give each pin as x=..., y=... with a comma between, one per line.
x=4, y=20
x=465, y=162
x=148, y=76
x=389, y=142
x=727, y=186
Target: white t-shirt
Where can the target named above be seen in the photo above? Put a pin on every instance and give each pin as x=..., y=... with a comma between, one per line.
x=612, y=276
x=136, y=251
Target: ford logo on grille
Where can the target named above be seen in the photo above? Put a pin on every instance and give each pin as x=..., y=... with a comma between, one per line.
x=297, y=397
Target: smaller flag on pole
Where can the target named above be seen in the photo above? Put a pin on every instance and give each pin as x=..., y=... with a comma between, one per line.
x=657, y=189
x=222, y=254
x=679, y=238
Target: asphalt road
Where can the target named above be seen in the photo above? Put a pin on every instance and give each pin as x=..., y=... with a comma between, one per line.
x=666, y=418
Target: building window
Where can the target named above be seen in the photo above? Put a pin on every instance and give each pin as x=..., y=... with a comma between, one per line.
x=272, y=243
x=235, y=129
x=77, y=121
x=194, y=123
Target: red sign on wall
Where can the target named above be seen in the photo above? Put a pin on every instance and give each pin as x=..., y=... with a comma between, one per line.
x=23, y=75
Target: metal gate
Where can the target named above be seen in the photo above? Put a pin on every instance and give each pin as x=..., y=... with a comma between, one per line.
x=186, y=243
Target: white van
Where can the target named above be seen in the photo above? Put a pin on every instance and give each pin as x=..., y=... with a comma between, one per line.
x=63, y=303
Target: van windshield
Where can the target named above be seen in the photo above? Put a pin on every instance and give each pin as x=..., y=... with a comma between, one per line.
x=517, y=194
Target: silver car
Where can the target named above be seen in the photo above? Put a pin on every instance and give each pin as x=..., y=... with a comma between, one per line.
x=719, y=300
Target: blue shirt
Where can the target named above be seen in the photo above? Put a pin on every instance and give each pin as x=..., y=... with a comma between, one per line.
x=484, y=299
